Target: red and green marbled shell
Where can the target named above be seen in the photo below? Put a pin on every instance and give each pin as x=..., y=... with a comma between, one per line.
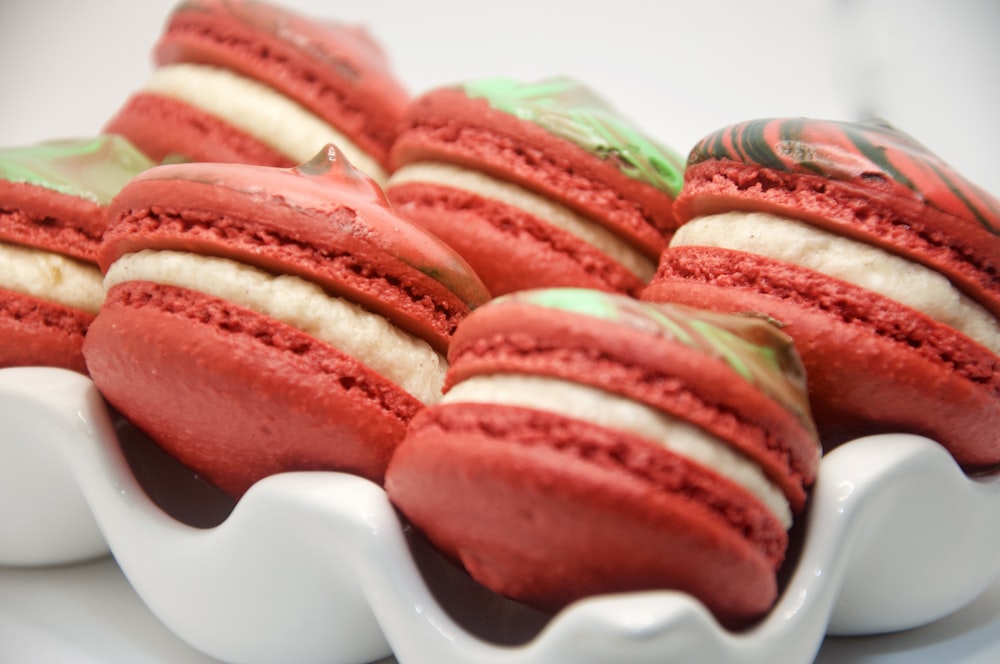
x=859, y=153
x=751, y=346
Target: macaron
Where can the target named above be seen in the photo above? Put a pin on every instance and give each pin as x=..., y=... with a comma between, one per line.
x=590, y=443
x=252, y=82
x=53, y=199
x=261, y=320
x=536, y=184
x=879, y=259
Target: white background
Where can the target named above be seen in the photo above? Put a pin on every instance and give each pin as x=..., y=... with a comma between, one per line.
x=678, y=69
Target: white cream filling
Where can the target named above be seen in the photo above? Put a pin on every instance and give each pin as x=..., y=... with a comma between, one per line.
x=51, y=276
x=553, y=213
x=616, y=412
x=259, y=110
x=404, y=359
x=848, y=260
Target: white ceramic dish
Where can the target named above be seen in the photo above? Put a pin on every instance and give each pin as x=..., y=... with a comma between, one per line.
x=312, y=567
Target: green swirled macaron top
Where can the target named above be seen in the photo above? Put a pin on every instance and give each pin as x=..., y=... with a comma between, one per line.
x=752, y=346
x=573, y=112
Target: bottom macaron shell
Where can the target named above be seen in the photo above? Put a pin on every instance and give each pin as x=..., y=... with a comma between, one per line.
x=508, y=248
x=165, y=128
x=237, y=396
x=548, y=510
x=39, y=333
x=873, y=365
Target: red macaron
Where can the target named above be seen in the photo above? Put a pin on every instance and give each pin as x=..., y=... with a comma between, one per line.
x=260, y=320
x=589, y=443
x=252, y=82
x=879, y=260
x=53, y=200
x=536, y=184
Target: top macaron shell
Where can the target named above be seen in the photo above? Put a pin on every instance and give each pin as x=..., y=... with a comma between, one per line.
x=335, y=72
x=231, y=391
x=324, y=221
x=554, y=138
x=54, y=197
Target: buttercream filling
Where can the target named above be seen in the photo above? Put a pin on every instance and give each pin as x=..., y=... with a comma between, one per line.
x=553, y=213
x=50, y=276
x=855, y=262
x=260, y=111
x=597, y=406
x=406, y=360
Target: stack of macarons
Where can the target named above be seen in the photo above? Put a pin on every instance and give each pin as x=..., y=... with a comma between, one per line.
x=878, y=259
x=590, y=443
x=260, y=319
x=536, y=184
x=53, y=199
x=249, y=82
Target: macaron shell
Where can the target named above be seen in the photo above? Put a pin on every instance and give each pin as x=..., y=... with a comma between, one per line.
x=37, y=332
x=873, y=365
x=509, y=248
x=336, y=71
x=236, y=395
x=664, y=375
x=165, y=128
x=39, y=217
x=447, y=125
x=576, y=510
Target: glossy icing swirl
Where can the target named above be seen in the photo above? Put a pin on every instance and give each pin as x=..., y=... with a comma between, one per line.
x=873, y=155
x=751, y=346
x=94, y=169
x=571, y=111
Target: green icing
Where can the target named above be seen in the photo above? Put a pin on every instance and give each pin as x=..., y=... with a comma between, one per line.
x=572, y=112
x=576, y=300
x=94, y=169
